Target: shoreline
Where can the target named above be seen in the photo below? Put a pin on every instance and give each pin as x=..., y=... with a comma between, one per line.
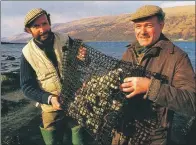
x=129, y=41
x=12, y=43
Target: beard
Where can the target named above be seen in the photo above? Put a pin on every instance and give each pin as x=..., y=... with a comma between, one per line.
x=46, y=37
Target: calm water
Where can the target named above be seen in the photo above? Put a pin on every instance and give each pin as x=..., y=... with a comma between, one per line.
x=114, y=49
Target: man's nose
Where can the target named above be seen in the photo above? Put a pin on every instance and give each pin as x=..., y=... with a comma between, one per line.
x=143, y=30
x=42, y=29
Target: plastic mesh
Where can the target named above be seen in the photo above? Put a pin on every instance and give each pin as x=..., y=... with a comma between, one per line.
x=92, y=95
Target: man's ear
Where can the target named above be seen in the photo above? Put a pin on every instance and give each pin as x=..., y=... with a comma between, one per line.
x=162, y=25
x=28, y=30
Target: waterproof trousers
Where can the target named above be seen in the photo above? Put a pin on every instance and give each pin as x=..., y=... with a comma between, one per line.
x=58, y=129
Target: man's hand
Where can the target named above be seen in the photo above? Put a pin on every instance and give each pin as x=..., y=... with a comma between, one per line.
x=56, y=103
x=135, y=85
x=82, y=53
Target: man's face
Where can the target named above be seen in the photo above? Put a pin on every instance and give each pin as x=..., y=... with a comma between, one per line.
x=148, y=31
x=40, y=29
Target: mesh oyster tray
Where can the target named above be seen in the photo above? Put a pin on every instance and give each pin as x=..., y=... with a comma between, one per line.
x=90, y=88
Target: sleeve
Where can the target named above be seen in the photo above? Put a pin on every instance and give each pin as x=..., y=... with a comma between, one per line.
x=29, y=84
x=181, y=95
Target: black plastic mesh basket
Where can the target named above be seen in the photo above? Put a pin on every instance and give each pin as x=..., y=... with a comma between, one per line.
x=91, y=91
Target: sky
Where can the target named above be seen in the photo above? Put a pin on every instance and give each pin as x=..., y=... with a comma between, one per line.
x=13, y=12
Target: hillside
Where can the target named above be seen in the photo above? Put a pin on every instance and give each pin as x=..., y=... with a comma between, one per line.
x=179, y=24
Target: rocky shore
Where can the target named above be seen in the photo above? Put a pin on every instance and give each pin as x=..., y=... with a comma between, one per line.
x=20, y=119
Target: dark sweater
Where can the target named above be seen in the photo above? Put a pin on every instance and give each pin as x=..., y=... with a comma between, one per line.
x=28, y=79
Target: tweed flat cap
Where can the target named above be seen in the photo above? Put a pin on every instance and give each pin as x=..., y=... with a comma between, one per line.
x=33, y=14
x=147, y=11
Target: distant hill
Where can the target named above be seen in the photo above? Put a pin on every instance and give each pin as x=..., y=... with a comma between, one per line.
x=179, y=24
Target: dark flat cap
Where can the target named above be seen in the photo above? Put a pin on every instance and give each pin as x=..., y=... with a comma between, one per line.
x=147, y=11
x=33, y=14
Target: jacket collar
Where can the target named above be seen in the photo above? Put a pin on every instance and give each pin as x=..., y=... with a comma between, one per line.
x=163, y=43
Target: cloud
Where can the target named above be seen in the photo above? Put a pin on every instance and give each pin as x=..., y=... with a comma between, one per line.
x=11, y=25
x=10, y=8
x=13, y=12
x=176, y=3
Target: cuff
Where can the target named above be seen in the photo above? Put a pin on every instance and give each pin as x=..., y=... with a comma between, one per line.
x=45, y=98
x=49, y=99
x=153, y=90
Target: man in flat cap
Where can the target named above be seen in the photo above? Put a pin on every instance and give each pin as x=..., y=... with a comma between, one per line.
x=41, y=64
x=152, y=101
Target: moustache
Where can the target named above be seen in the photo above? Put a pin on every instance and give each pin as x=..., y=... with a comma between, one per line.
x=144, y=36
x=44, y=33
